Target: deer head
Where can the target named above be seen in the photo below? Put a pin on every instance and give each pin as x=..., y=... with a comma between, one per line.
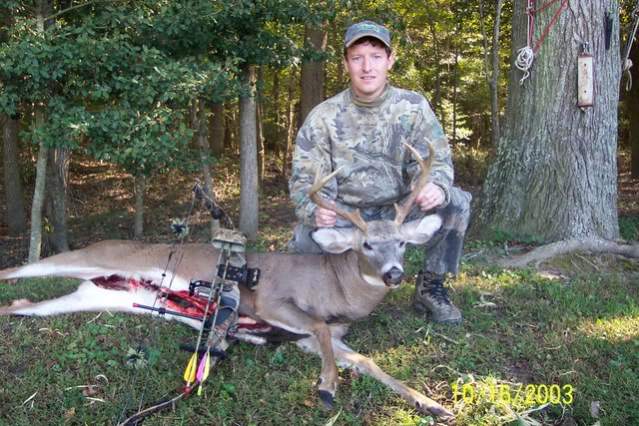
x=380, y=244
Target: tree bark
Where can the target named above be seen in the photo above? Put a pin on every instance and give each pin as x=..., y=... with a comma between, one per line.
x=278, y=145
x=312, y=77
x=216, y=130
x=492, y=67
x=43, y=9
x=259, y=116
x=205, y=161
x=437, y=93
x=14, y=194
x=632, y=103
x=494, y=84
x=249, y=197
x=139, y=187
x=290, y=124
x=455, y=90
x=555, y=172
x=35, y=241
x=56, y=202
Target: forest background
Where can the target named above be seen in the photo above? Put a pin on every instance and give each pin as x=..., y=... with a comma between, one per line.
x=111, y=109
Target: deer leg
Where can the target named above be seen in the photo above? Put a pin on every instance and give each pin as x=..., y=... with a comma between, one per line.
x=349, y=358
x=281, y=315
x=88, y=297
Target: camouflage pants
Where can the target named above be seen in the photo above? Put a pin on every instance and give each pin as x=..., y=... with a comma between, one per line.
x=230, y=298
x=442, y=253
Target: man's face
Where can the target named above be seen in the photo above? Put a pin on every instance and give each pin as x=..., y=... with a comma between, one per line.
x=368, y=66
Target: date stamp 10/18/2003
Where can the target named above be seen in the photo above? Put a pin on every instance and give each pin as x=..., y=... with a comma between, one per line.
x=528, y=395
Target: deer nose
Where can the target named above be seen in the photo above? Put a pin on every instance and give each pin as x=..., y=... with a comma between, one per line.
x=393, y=276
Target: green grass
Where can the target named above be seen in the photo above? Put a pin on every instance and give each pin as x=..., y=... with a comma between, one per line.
x=629, y=227
x=580, y=329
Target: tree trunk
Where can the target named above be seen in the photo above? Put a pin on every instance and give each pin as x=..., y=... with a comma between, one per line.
x=35, y=241
x=205, y=161
x=278, y=145
x=14, y=195
x=259, y=111
x=632, y=103
x=312, y=78
x=56, y=203
x=249, y=197
x=139, y=187
x=492, y=67
x=43, y=9
x=339, y=64
x=216, y=130
x=437, y=93
x=555, y=172
x=494, y=85
x=290, y=125
x=455, y=90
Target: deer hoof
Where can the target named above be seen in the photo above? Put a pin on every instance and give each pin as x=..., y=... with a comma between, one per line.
x=327, y=399
x=21, y=303
x=434, y=409
x=16, y=304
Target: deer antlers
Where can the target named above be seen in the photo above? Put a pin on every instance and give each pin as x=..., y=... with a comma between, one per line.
x=403, y=210
x=355, y=217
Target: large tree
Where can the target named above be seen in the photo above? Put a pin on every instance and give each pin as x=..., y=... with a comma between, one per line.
x=312, y=78
x=632, y=105
x=555, y=172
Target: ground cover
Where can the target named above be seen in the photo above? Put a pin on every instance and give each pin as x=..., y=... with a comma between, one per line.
x=570, y=324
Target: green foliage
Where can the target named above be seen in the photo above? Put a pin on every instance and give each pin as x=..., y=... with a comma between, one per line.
x=118, y=80
x=629, y=227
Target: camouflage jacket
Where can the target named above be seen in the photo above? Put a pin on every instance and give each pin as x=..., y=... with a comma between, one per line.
x=366, y=140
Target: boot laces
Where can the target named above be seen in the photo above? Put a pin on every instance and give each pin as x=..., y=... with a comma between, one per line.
x=439, y=293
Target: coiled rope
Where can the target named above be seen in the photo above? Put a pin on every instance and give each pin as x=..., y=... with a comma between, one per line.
x=526, y=55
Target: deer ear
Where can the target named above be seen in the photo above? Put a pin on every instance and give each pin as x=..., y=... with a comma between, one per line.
x=420, y=231
x=334, y=240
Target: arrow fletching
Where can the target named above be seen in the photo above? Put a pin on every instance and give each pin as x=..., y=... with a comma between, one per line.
x=191, y=368
x=203, y=371
x=204, y=368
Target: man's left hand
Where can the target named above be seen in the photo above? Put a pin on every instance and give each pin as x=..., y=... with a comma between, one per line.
x=430, y=197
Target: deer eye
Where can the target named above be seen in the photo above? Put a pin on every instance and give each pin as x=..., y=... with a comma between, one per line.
x=367, y=246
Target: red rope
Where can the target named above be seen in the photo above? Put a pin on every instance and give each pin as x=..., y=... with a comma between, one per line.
x=532, y=12
x=545, y=6
x=531, y=21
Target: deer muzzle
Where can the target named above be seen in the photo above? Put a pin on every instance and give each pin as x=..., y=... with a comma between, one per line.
x=393, y=276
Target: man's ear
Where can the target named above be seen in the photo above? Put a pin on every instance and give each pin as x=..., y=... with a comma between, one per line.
x=334, y=240
x=419, y=231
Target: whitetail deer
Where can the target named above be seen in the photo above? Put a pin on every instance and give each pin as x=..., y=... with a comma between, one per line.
x=313, y=296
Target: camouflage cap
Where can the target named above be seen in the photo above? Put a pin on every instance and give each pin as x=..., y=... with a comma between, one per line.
x=366, y=29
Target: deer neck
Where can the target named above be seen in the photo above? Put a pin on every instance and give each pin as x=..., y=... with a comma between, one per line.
x=368, y=275
x=360, y=287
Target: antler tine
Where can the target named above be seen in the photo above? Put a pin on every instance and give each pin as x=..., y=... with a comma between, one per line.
x=354, y=217
x=403, y=210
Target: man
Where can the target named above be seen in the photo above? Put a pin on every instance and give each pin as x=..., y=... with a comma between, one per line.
x=362, y=130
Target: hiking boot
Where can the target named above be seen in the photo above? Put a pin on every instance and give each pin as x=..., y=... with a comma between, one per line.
x=431, y=296
x=217, y=339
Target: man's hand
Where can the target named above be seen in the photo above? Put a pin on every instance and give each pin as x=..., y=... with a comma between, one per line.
x=325, y=218
x=430, y=197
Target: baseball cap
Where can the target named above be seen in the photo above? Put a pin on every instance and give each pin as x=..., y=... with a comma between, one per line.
x=366, y=29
